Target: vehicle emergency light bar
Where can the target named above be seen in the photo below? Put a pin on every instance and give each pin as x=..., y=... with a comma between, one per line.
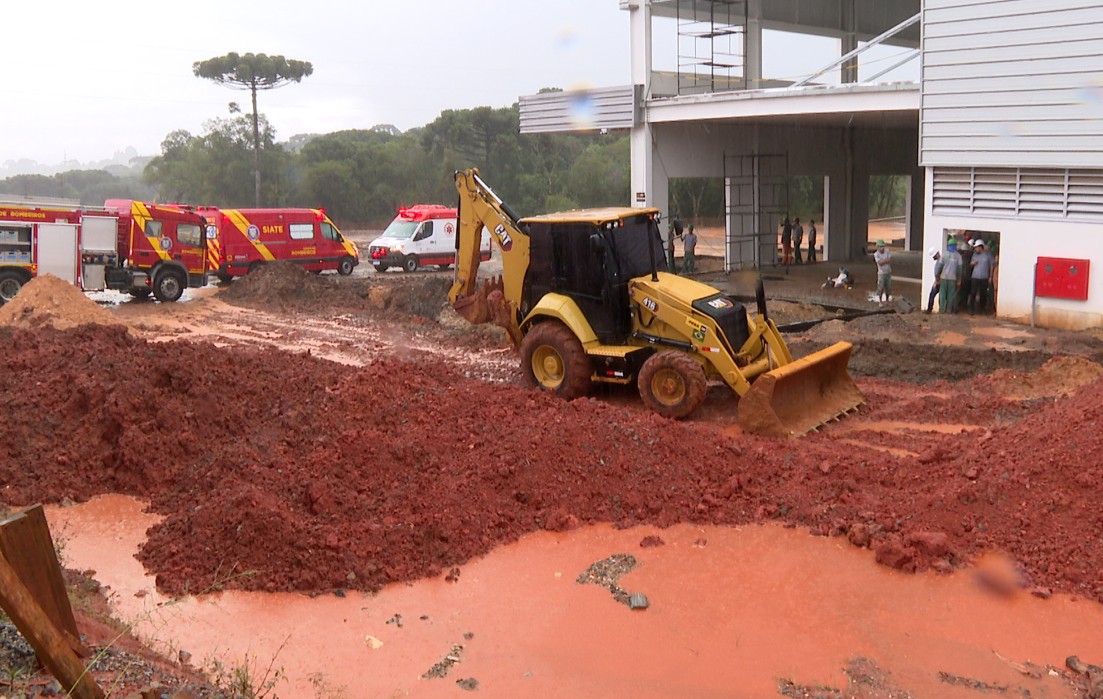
x=424, y=212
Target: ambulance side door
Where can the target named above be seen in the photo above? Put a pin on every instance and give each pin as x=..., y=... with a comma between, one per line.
x=423, y=239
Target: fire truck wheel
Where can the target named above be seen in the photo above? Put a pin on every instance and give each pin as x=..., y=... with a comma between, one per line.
x=345, y=266
x=168, y=286
x=10, y=284
x=224, y=278
x=410, y=263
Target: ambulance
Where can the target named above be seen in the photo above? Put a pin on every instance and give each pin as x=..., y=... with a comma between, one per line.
x=241, y=240
x=420, y=236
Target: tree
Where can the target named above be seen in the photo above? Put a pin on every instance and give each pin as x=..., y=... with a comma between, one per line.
x=253, y=72
x=213, y=168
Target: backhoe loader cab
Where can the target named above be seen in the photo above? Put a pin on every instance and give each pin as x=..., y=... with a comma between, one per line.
x=590, y=257
x=585, y=297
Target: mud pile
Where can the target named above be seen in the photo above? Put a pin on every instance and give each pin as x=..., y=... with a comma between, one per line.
x=278, y=471
x=48, y=300
x=286, y=287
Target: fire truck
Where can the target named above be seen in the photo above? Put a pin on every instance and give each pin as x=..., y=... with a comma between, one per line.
x=241, y=240
x=128, y=246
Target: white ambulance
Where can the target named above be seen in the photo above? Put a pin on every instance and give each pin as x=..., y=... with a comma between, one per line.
x=420, y=236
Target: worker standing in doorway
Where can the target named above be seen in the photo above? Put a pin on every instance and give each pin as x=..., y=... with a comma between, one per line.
x=689, y=254
x=936, y=255
x=811, y=240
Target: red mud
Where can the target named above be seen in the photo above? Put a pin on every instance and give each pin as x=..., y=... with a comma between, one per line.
x=280, y=471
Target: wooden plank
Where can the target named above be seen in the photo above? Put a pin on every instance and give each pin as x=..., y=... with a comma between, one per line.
x=49, y=643
x=26, y=543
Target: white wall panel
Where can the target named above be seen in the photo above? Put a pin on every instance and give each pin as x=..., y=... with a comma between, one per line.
x=1016, y=83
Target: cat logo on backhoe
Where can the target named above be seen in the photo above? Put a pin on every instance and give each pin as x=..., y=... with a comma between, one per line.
x=504, y=240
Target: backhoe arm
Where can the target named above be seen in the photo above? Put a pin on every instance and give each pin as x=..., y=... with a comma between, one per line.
x=495, y=300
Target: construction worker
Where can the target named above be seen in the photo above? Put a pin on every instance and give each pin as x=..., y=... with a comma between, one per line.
x=689, y=254
x=674, y=230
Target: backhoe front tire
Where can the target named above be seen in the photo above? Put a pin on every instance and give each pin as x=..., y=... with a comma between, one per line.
x=552, y=359
x=672, y=384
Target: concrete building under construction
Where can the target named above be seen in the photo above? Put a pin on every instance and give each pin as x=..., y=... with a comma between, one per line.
x=992, y=111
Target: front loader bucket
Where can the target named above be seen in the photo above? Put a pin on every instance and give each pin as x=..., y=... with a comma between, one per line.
x=802, y=395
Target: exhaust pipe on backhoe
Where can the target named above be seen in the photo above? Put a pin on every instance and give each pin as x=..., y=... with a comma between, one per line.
x=802, y=395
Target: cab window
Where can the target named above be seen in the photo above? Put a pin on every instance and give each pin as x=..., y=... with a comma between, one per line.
x=302, y=231
x=153, y=229
x=189, y=234
x=425, y=232
x=329, y=232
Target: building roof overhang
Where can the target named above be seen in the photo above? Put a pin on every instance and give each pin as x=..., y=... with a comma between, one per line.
x=883, y=104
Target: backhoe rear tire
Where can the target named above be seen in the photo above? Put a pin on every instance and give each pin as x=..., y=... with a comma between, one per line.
x=672, y=384
x=552, y=359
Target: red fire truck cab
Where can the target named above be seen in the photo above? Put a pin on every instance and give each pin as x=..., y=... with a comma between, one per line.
x=126, y=246
x=241, y=240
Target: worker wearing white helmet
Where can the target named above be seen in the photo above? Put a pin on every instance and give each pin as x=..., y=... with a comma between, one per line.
x=981, y=264
x=936, y=255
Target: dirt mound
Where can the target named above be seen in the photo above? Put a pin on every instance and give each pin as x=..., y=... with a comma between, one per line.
x=284, y=286
x=358, y=477
x=48, y=300
x=1060, y=376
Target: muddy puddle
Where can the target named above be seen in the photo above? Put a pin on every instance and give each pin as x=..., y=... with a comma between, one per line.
x=732, y=612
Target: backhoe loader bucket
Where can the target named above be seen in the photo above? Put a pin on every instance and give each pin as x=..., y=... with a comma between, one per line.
x=476, y=308
x=802, y=395
x=488, y=305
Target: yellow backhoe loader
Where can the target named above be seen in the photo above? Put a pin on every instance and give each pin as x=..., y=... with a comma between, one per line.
x=585, y=297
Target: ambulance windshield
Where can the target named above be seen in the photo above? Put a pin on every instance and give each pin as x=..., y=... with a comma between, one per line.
x=402, y=230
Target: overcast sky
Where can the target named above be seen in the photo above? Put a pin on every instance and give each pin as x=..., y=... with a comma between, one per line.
x=84, y=80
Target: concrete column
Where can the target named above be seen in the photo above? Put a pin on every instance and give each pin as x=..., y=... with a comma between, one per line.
x=914, y=218
x=639, y=21
x=849, y=69
x=752, y=46
x=643, y=192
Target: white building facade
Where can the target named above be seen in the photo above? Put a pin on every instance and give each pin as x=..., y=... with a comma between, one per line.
x=1011, y=139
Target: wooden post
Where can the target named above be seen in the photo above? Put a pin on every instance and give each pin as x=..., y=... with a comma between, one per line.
x=48, y=642
x=26, y=542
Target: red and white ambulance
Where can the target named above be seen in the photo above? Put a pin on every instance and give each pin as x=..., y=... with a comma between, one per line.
x=419, y=236
x=241, y=240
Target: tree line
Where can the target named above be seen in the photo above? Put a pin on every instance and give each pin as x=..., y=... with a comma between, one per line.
x=362, y=176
